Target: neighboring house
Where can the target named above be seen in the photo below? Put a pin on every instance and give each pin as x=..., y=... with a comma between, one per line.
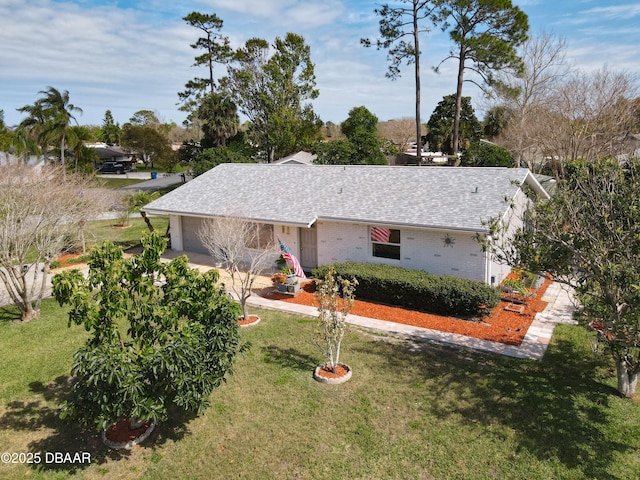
x=108, y=153
x=300, y=158
x=416, y=217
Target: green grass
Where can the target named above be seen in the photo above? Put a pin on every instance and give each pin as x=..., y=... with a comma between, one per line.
x=128, y=237
x=429, y=413
x=116, y=183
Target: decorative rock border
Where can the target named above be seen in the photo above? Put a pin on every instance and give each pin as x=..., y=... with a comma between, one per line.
x=332, y=380
x=130, y=443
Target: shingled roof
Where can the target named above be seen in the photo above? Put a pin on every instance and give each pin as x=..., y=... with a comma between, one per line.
x=428, y=197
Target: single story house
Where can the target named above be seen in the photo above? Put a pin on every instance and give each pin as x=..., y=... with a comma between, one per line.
x=423, y=218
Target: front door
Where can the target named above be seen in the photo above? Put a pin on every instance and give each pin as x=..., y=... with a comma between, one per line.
x=309, y=247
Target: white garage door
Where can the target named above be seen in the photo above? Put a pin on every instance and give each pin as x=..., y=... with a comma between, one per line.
x=190, y=240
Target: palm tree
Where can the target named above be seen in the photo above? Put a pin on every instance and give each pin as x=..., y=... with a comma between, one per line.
x=50, y=117
x=220, y=117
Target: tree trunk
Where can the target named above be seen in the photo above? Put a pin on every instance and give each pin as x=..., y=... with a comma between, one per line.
x=417, y=79
x=627, y=381
x=29, y=313
x=146, y=220
x=456, y=118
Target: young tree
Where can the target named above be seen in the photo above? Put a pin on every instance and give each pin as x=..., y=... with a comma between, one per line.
x=486, y=34
x=588, y=236
x=244, y=248
x=397, y=23
x=335, y=297
x=50, y=118
x=41, y=212
x=441, y=125
x=161, y=335
x=271, y=90
x=216, y=49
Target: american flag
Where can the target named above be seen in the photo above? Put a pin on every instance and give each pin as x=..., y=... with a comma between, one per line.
x=379, y=234
x=291, y=258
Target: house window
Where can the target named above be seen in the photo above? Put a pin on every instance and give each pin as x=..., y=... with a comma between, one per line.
x=385, y=242
x=262, y=238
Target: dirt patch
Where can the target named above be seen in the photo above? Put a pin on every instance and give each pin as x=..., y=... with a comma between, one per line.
x=503, y=326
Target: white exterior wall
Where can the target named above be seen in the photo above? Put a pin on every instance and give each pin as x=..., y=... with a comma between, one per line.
x=420, y=249
x=289, y=235
x=175, y=231
x=514, y=219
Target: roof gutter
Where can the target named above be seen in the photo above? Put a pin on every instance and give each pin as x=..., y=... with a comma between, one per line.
x=159, y=211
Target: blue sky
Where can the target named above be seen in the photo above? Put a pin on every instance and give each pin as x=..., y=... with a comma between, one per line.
x=127, y=56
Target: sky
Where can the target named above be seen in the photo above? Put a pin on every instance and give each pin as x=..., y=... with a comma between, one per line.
x=127, y=56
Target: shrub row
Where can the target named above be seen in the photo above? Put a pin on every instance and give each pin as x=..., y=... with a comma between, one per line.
x=417, y=289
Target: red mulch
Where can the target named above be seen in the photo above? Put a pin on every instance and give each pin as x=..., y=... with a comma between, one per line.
x=326, y=371
x=120, y=431
x=500, y=326
x=66, y=260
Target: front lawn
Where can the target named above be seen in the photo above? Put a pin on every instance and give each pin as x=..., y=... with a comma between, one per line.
x=99, y=230
x=428, y=412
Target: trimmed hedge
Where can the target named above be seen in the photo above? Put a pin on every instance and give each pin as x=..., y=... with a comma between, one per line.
x=417, y=289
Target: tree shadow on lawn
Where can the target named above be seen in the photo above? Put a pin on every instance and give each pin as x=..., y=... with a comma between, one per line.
x=67, y=437
x=9, y=313
x=288, y=358
x=555, y=407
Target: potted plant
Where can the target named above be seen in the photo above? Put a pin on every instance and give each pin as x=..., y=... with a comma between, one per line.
x=278, y=280
x=286, y=270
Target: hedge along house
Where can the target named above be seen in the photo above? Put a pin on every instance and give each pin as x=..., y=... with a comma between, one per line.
x=423, y=218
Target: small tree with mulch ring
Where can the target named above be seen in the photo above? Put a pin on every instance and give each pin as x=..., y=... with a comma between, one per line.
x=335, y=297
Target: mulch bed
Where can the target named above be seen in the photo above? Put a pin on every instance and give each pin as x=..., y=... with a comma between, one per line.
x=70, y=259
x=500, y=326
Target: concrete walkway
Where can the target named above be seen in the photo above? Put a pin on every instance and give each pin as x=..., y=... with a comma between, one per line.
x=560, y=309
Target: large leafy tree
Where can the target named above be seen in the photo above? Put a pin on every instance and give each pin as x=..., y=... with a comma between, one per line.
x=212, y=157
x=145, y=134
x=215, y=48
x=271, y=85
x=441, y=125
x=588, y=236
x=486, y=34
x=50, y=119
x=161, y=335
x=400, y=28
x=361, y=146
x=481, y=154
